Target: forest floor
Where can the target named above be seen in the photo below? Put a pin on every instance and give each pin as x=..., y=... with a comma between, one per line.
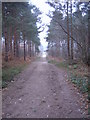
x=42, y=91
x=11, y=68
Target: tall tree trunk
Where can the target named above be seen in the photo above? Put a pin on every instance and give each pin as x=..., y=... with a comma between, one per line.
x=24, y=48
x=17, y=45
x=71, y=35
x=17, y=49
x=11, y=42
x=68, y=47
x=88, y=61
x=34, y=49
x=33, y=52
x=30, y=50
x=15, y=42
x=52, y=51
x=6, y=46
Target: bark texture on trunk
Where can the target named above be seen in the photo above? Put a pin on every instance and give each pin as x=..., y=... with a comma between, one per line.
x=15, y=42
x=24, y=47
x=68, y=47
x=71, y=35
x=6, y=46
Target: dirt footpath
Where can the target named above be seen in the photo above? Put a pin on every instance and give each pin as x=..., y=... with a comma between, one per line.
x=41, y=91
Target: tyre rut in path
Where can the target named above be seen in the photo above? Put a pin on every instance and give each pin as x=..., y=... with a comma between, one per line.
x=41, y=91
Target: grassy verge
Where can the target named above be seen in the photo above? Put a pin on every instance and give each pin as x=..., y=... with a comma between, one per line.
x=80, y=82
x=77, y=74
x=58, y=64
x=10, y=70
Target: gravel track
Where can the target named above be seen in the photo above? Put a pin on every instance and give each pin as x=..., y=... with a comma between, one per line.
x=41, y=91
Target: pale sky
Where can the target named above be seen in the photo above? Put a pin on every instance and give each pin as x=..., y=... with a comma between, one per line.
x=44, y=8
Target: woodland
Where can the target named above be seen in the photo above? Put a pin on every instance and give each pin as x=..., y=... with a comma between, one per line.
x=19, y=30
x=69, y=31
x=68, y=38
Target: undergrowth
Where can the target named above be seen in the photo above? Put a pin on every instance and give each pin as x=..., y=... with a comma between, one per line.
x=80, y=81
x=59, y=64
x=8, y=73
